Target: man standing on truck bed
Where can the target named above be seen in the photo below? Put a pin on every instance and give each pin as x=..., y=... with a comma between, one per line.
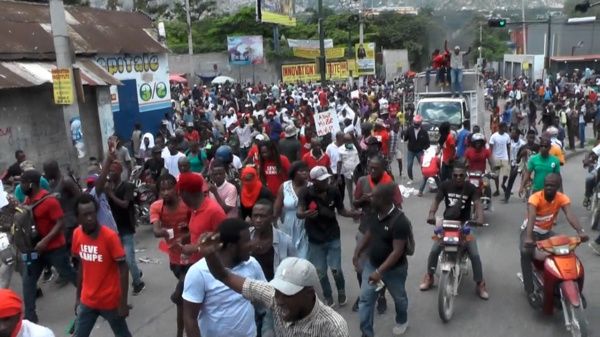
x=456, y=73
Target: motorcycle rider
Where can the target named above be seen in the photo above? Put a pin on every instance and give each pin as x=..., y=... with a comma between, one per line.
x=457, y=194
x=542, y=211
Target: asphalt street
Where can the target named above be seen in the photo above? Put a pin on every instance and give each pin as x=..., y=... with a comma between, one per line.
x=507, y=312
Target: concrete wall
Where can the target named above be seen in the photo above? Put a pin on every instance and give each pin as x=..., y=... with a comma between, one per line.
x=564, y=37
x=513, y=66
x=203, y=65
x=30, y=121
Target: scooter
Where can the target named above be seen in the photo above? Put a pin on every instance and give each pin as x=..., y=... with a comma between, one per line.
x=144, y=195
x=454, y=263
x=476, y=178
x=558, y=281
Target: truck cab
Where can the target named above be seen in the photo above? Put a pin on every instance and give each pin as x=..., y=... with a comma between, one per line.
x=436, y=110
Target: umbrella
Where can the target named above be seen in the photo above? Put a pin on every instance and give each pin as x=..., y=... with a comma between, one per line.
x=177, y=78
x=222, y=80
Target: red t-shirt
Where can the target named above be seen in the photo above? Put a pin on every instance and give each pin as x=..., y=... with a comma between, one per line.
x=253, y=153
x=304, y=146
x=177, y=221
x=438, y=61
x=206, y=218
x=101, y=284
x=449, y=149
x=273, y=178
x=311, y=161
x=384, y=138
x=46, y=214
x=193, y=136
x=476, y=160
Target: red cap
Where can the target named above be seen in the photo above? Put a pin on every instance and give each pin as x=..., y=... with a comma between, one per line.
x=190, y=182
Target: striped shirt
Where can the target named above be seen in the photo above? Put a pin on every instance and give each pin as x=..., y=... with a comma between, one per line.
x=322, y=320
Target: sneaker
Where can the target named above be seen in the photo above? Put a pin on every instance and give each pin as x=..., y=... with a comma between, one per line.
x=420, y=194
x=355, y=305
x=342, y=300
x=48, y=275
x=399, y=329
x=497, y=193
x=482, y=291
x=381, y=305
x=427, y=282
x=329, y=302
x=137, y=289
x=595, y=247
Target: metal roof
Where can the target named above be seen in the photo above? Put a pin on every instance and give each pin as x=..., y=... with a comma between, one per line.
x=25, y=31
x=31, y=74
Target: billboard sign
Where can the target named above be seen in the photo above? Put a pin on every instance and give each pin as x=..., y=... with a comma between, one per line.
x=365, y=58
x=308, y=72
x=280, y=12
x=245, y=50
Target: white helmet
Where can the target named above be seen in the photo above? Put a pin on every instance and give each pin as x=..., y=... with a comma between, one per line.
x=477, y=137
x=552, y=131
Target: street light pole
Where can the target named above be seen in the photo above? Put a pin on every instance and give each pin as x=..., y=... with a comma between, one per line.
x=190, y=41
x=322, y=62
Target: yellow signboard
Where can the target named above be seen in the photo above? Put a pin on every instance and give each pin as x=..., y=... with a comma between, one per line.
x=308, y=72
x=280, y=12
x=62, y=83
x=365, y=58
x=330, y=53
x=525, y=65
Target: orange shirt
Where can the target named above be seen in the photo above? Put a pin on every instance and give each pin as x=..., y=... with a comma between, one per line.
x=206, y=218
x=101, y=285
x=546, y=212
x=384, y=138
x=556, y=151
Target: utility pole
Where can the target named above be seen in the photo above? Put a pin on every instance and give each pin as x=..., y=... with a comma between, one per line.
x=361, y=33
x=64, y=60
x=190, y=41
x=548, y=39
x=524, y=27
x=322, y=61
x=480, y=38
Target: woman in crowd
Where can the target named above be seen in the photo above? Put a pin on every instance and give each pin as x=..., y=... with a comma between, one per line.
x=251, y=191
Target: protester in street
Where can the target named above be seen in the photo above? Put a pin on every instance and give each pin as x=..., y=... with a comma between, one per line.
x=98, y=183
x=12, y=323
x=292, y=295
x=515, y=148
x=387, y=238
x=124, y=158
x=500, y=147
x=317, y=205
x=171, y=156
x=316, y=156
x=136, y=142
x=417, y=142
x=395, y=153
x=51, y=248
x=539, y=165
x=269, y=247
x=272, y=167
x=120, y=199
x=290, y=145
x=169, y=217
x=286, y=205
x=197, y=157
x=349, y=160
x=102, y=284
x=13, y=174
x=447, y=147
x=333, y=152
x=252, y=190
x=154, y=167
x=210, y=307
x=224, y=192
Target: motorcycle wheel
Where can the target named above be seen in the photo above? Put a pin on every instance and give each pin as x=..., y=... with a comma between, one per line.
x=446, y=295
x=595, y=215
x=578, y=322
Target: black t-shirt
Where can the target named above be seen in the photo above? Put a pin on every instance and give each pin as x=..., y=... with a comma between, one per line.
x=266, y=262
x=394, y=226
x=451, y=194
x=324, y=227
x=124, y=217
x=155, y=167
x=14, y=170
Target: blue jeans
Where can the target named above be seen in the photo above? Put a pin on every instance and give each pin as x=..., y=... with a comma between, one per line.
x=59, y=259
x=582, y=135
x=457, y=78
x=395, y=280
x=86, y=319
x=410, y=158
x=324, y=255
x=129, y=246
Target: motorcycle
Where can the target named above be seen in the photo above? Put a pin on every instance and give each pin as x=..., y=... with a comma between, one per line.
x=454, y=263
x=144, y=195
x=558, y=281
x=476, y=178
x=595, y=208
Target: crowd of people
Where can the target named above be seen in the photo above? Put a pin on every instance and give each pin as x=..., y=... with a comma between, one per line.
x=249, y=190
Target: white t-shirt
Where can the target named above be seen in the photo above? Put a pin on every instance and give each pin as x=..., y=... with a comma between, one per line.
x=514, y=150
x=224, y=312
x=29, y=329
x=333, y=151
x=171, y=162
x=500, y=141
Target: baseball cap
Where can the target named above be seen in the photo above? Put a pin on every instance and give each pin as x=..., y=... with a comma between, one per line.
x=417, y=119
x=319, y=173
x=294, y=274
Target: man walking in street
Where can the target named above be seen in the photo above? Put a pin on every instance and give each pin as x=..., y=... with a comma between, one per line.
x=210, y=307
x=51, y=247
x=387, y=239
x=318, y=204
x=120, y=199
x=500, y=147
x=418, y=141
x=102, y=283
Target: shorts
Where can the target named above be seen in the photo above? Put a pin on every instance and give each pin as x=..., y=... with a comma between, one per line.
x=504, y=167
x=179, y=271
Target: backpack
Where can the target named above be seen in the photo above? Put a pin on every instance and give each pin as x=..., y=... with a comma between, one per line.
x=409, y=249
x=24, y=230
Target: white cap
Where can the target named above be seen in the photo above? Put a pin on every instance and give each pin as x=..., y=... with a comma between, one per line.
x=319, y=173
x=294, y=274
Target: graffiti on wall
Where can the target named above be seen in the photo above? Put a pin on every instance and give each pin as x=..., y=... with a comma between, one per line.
x=77, y=136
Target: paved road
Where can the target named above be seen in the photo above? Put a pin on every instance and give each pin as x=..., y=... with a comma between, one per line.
x=505, y=314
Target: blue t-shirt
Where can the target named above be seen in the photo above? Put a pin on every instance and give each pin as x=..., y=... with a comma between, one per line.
x=224, y=313
x=104, y=213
